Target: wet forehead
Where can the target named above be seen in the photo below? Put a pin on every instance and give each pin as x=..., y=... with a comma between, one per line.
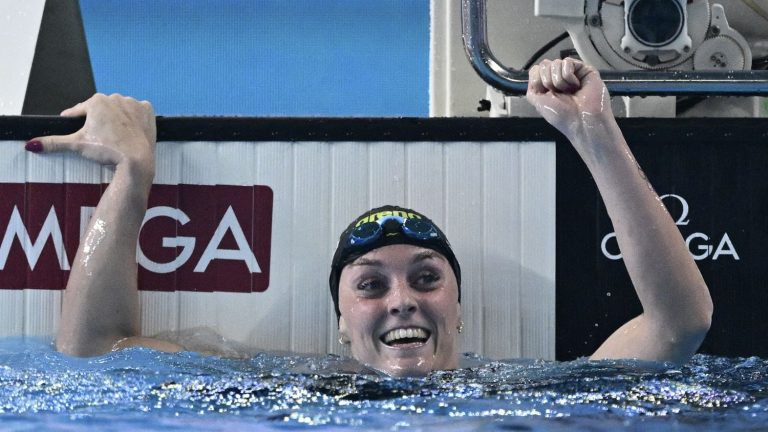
x=400, y=252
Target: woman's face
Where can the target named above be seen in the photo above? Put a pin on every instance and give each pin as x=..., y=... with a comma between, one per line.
x=400, y=311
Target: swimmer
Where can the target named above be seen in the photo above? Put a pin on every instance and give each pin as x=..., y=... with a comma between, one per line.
x=394, y=279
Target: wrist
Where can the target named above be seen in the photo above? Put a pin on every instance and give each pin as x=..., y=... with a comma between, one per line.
x=586, y=122
x=596, y=137
x=138, y=170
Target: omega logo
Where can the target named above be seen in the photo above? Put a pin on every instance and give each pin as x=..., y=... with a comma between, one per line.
x=193, y=238
x=699, y=244
x=33, y=248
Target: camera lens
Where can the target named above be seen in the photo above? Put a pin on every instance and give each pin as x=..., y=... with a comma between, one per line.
x=655, y=23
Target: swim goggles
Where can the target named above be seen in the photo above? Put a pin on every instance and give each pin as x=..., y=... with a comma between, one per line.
x=414, y=228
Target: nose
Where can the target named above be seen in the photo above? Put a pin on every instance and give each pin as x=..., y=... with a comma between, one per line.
x=401, y=301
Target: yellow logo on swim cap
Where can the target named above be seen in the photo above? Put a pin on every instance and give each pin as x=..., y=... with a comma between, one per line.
x=373, y=217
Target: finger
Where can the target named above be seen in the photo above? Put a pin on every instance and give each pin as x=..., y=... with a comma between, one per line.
x=569, y=74
x=120, y=100
x=78, y=110
x=130, y=103
x=534, y=81
x=148, y=105
x=82, y=108
x=546, y=75
x=590, y=78
x=557, y=77
x=582, y=70
x=55, y=143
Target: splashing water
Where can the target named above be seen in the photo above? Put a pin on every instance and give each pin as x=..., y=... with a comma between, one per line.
x=142, y=389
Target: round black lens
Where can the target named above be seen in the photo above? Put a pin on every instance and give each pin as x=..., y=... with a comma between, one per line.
x=419, y=228
x=656, y=22
x=365, y=233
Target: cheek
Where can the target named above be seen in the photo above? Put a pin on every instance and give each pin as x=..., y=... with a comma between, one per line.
x=446, y=311
x=360, y=314
x=446, y=307
x=348, y=303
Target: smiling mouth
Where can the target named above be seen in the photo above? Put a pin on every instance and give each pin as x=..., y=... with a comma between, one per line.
x=405, y=336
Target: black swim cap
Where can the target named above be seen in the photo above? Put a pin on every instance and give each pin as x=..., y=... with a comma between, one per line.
x=385, y=226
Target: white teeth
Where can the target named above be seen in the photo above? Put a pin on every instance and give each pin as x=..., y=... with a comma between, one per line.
x=409, y=333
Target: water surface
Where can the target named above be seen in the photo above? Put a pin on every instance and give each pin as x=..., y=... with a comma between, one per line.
x=140, y=389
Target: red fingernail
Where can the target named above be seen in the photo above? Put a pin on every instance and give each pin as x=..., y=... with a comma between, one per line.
x=34, y=146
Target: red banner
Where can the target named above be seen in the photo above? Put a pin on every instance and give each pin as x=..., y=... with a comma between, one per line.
x=194, y=237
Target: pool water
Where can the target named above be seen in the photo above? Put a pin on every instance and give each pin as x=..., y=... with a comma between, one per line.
x=140, y=389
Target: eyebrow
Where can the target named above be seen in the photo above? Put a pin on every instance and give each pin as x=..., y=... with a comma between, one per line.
x=418, y=257
x=425, y=255
x=362, y=261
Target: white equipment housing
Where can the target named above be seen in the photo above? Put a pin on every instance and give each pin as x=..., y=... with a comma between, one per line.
x=613, y=35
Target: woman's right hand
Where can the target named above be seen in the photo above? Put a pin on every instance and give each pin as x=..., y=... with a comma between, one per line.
x=100, y=305
x=117, y=130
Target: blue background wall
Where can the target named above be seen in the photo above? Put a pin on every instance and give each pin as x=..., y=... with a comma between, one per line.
x=264, y=57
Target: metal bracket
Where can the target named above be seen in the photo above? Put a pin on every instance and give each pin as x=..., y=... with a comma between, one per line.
x=626, y=83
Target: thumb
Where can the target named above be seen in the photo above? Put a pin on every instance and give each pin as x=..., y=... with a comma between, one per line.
x=54, y=143
x=588, y=76
x=78, y=110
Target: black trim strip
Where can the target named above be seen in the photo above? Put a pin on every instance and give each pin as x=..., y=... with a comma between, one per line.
x=380, y=129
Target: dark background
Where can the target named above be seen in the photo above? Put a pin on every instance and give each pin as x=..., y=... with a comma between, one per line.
x=719, y=167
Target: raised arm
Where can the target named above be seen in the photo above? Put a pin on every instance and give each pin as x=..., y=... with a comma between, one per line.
x=677, y=308
x=100, y=309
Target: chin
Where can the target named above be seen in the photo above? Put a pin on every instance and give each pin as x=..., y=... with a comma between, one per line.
x=407, y=369
x=408, y=361
x=415, y=366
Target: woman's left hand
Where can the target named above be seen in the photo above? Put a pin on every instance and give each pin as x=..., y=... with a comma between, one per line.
x=569, y=94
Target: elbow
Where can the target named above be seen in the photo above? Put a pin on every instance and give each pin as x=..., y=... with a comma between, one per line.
x=691, y=332
x=691, y=338
x=697, y=330
x=702, y=319
x=683, y=333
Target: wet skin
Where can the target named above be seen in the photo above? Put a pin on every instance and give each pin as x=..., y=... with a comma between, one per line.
x=401, y=287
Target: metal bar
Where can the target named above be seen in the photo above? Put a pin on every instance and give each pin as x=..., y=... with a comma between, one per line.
x=628, y=83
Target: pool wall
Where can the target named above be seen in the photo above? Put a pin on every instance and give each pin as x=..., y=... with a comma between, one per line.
x=245, y=213
x=493, y=197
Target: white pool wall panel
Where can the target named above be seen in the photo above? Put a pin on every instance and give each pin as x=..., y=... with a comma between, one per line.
x=42, y=307
x=495, y=201
x=13, y=168
x=501, y=166
x=350, y=186
x=537, y=262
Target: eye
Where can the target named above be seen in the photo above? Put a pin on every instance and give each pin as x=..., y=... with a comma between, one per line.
x=371, y=286
x=426, y=279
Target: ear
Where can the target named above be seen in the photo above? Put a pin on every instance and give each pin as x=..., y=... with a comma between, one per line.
x=343, y=331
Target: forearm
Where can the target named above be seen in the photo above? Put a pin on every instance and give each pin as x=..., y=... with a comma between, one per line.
x=100, y=304
x=676, y=304
x=677, y=308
